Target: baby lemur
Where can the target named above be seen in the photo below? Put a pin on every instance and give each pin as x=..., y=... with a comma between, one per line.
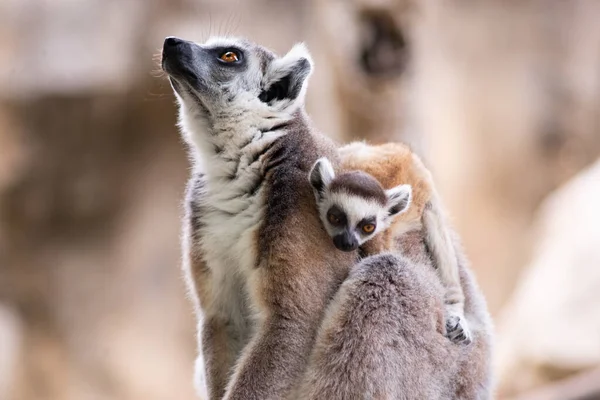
x=358, y=213
x=354, y=207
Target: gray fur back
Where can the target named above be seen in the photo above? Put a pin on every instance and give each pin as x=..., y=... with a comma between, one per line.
x=383, y=336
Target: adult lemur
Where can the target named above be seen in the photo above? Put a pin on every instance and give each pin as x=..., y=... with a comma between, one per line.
x=260, y=267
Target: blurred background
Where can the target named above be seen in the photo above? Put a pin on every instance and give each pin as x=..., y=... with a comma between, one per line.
x=501, y=99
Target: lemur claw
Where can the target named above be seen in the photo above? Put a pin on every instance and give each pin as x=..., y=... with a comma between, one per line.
x=457, y=330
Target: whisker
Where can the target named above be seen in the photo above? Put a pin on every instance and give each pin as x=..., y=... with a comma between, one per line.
x=157, y=71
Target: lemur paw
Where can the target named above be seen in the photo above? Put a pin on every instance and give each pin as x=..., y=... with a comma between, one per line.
x=457, y=329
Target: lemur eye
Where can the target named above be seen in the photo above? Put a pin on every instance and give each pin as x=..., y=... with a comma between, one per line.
x=333, y=219
x=368, y=228
x=229, y=57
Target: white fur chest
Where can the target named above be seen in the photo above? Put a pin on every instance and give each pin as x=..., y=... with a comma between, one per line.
x=234, y=203
x=229, y=153
x=229, y=238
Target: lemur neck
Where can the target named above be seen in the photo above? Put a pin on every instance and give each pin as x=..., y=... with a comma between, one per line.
x=233, y=146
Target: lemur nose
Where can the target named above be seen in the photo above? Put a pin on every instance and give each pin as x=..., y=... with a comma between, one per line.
x=172, y=41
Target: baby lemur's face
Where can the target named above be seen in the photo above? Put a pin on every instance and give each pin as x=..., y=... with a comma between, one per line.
x=353, y=206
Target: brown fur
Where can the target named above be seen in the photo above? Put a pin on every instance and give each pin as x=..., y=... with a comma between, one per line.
x=393, y=164
x=357, y=183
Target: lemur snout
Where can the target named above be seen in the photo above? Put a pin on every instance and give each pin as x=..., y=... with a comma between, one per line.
x=178, y=58
x=172, y=46
x=345, y=241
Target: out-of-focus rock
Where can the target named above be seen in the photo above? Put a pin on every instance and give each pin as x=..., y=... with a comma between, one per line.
x=366, y=47
x=550, y=328
x=65, y=50
x=12, y=149
x=583, y=386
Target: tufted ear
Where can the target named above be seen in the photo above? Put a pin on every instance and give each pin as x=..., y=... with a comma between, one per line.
x=399, y=199
x=286, y=77
x=320, y=176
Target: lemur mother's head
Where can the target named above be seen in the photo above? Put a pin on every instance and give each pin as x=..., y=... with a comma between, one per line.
x=227, y=75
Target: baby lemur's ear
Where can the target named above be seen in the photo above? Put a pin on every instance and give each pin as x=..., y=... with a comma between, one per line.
x=321, y=175
x=286, y=77
x=399, y=199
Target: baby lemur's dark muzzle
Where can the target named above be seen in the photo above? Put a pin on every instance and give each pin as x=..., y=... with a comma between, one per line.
x=345, y=241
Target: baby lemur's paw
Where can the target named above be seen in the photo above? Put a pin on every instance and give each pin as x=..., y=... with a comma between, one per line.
x=457, y=329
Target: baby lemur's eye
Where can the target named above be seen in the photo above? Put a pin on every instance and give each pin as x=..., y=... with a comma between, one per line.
x=368, y=228
x=333, y=219
x=336, y=216
x=229, y=56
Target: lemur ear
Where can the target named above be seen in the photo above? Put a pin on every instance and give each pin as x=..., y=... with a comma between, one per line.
x=399, y=199
x=285, y=78
x=321, y=175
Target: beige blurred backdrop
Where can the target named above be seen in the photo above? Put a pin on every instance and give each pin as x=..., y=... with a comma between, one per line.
x=501, y=98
